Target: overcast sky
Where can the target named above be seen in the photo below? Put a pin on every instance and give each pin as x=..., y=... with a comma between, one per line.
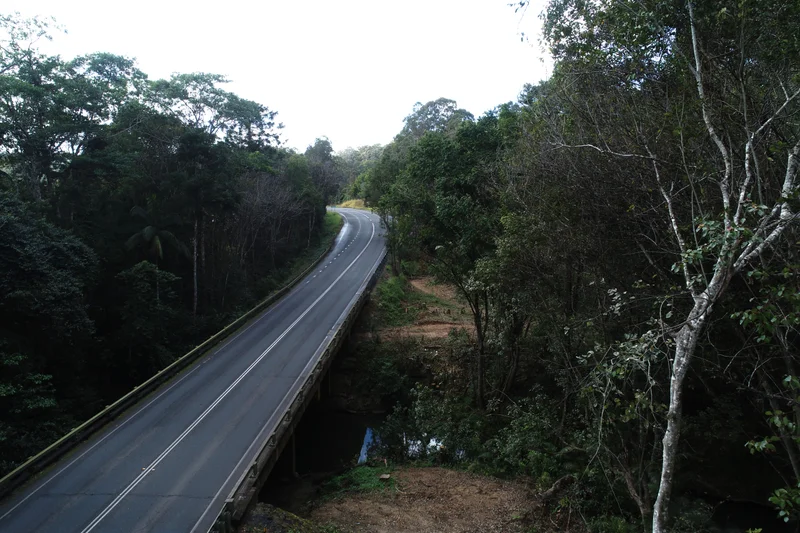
x=350, y=70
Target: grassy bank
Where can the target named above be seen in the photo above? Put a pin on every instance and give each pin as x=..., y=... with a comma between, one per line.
x=355, y=204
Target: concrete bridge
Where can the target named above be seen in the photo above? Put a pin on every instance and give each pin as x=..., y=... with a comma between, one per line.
x=190, y=455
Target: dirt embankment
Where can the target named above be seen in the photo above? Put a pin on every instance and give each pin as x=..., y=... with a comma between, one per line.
x=431, y=500
x=435, y=500
x=434, y=321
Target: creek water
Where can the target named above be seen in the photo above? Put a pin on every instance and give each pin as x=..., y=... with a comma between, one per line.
x=328, y=440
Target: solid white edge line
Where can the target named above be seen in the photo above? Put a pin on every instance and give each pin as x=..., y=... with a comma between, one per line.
x=137, y=413
x=268, y=422
x=138, y=479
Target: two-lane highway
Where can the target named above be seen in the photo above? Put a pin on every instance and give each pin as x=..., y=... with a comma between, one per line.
x=169, y=463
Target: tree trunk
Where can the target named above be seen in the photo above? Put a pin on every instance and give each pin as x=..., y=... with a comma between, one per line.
x=512, y=371
x=685, y=345
x=311, y=222
x=480, y=394
x=480, y=371
x=224, y=290
x=639, y=495
x=204, y=272
x=158, y=291
x=557, y=488
x=194, y=270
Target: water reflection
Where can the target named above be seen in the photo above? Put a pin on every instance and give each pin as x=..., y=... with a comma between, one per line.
x=414, y=448
x=365, y=446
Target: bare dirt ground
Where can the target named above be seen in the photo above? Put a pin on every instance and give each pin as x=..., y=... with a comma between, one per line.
x=434, y=500
x=443, y=292
x=434, y=321
x=424, y=329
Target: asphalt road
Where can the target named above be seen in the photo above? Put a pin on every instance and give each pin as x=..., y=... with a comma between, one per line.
x=168, y=464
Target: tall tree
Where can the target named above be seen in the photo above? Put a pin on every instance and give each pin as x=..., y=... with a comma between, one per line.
x=442, y=116
x=706, y=78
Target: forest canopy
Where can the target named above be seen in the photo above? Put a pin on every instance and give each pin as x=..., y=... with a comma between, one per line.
x=625, y=238
x=137, y=217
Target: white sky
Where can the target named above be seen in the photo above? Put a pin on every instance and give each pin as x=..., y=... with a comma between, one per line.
x=350, y=70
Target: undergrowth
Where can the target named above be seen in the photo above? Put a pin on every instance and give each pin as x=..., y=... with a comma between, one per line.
x=398, y=304
x=359, y=480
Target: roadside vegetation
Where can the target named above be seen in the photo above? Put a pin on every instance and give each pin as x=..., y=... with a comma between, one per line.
x=137, y=218
x=353, y=204
x=398, y=304
x=264, y=518
x=359, y=480
x=624, y=240
x=593, y=291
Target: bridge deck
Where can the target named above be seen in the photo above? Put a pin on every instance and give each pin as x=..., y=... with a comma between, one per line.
x=171, y=461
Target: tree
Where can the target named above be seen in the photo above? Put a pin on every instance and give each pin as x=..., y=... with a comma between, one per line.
x=442, y=116
x=45, y=273
x=51, y=109
x=716, y=237
x=326, y=174
x=356, y=164
x=152, y=239
x=199, y=103
x=82, y=140
x=142, y=343
x=442, y=207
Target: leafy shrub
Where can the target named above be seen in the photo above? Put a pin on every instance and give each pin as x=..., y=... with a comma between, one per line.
x=434, y=427
x=527, y=445
x=390, y=296
x=360, y=479
x=611, y=524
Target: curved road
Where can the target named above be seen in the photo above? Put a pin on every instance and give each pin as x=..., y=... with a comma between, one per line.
x=168, y=464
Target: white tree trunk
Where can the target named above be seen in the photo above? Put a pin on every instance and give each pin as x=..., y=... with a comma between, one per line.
x=733, y=258
x=685, y=345
x=686, y=342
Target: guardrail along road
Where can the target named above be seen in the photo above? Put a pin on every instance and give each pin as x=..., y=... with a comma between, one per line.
x=168, y=464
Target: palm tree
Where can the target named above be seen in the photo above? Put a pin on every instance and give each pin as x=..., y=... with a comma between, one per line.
x=153, y=239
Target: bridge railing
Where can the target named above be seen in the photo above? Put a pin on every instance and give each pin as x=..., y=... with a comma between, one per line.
x=76, y=436
x=294, y=405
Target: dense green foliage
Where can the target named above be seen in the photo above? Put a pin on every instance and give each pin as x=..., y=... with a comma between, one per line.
x=137, y=217
x=366, y=478
x=625, y=236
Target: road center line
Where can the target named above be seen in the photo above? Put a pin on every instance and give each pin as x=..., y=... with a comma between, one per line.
x=124, y=422
x=138, y=479
x=260, y=433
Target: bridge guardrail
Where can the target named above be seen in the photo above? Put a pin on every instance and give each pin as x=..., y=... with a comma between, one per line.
x=76, y=436
x=244, y=489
